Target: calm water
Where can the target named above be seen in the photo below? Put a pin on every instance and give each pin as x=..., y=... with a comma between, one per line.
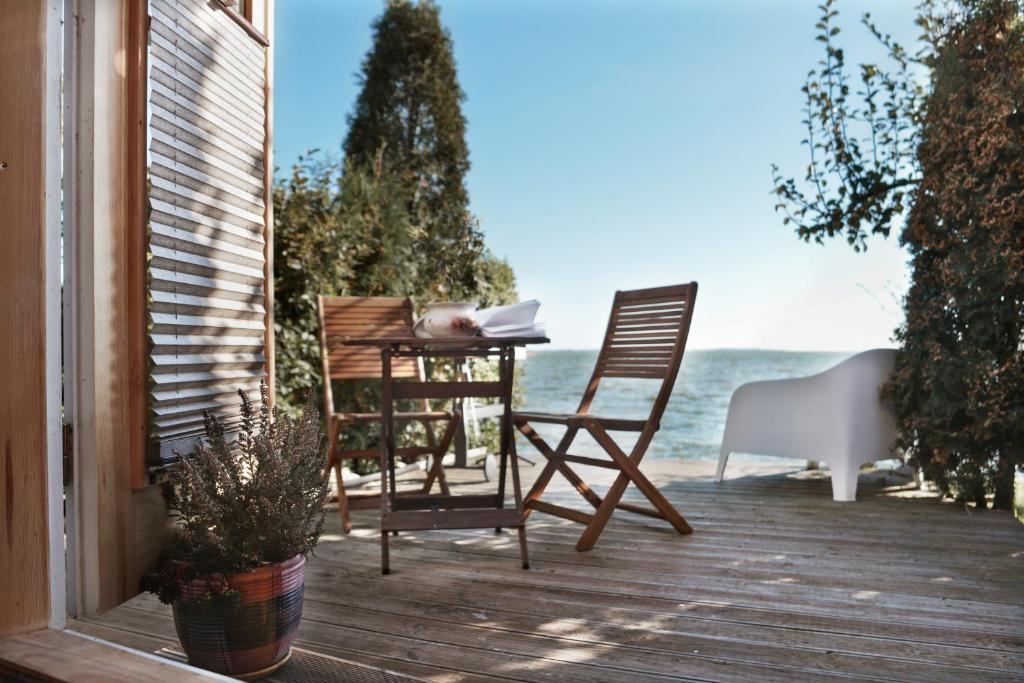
x=695, y=417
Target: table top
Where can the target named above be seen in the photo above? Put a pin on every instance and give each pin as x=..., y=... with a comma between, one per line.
x=452, y=343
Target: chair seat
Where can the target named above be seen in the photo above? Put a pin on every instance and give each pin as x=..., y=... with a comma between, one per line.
x=577, y=419
x=428, y=415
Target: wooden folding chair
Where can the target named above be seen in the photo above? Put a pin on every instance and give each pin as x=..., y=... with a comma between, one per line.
x=645, y=339
x=344, y=317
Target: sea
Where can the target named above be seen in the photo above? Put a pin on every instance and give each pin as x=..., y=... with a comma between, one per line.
x=692, y=426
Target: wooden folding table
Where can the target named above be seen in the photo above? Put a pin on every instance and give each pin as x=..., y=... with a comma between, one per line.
x=420, y=512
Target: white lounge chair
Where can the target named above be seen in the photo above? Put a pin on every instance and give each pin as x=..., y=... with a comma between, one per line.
x=836, y=416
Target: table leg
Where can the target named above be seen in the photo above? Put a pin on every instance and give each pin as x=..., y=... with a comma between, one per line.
x=513, y=457
x=386, y=459
x=517, y=493
x=505, y=427
x=461, y=445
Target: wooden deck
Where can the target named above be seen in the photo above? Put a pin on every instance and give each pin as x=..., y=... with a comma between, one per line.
x=777, y=583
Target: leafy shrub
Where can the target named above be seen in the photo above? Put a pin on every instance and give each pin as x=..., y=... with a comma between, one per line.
x=949, y=151
x=392, y=219
x=959, y=381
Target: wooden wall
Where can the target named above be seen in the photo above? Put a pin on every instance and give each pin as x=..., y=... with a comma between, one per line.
x=104, y=301
x=24, y=568
x=118, y=530
x=121, y=520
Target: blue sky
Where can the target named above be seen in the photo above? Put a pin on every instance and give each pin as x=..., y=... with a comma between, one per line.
x=628, y=144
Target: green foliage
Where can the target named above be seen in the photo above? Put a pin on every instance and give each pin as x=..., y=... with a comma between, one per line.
x=951, y=152
x=408, y=117
x=335, y=234
x=862, y=142
x=959, y=383
x=392, y=220
x=245, y=502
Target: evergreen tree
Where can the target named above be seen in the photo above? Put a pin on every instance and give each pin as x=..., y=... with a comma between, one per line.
x=409, y=116
x=335, y=233
x=393, y=219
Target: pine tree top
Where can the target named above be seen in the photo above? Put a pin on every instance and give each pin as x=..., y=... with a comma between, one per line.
x=410, y=109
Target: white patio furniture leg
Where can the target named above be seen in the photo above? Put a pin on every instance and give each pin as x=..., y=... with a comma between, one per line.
x=844, y=480
x=723, y=457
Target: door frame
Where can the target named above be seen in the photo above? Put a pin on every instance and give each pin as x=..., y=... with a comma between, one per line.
x=54, y=12
x=31, y=499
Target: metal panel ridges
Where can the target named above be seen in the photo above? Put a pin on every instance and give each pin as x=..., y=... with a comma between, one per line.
x=206, y=223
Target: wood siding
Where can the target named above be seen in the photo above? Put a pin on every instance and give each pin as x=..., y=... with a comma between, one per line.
x=208, y=219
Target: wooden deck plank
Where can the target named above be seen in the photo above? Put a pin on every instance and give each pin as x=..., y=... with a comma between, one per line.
x=536, y=656
x=50, y=655
x=650, y=647
x=161, y=621
x=484, y=569
x=927, y=581
x=777, y=583
x=410, y=552
x=495, y=600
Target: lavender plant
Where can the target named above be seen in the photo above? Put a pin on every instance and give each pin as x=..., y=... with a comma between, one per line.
x=246, y=501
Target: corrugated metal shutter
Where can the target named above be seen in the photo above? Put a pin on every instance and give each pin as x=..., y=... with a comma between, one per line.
x=206, y=226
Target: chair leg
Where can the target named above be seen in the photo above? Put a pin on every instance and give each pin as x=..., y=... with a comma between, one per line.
x=428, y=483
x=522, y=544
x=431, y=443
x=333, y=462
x=517, y=497
x=630, y=473
x=844, y=480
x=346, y=521
x=629, y=468
x=537, y=490
x=668, y=512
x=542, y=481
x=442, y=478
x=603, y=514
x=446, y=441
x=558, y=464
x=436, y=471
x=723, y=458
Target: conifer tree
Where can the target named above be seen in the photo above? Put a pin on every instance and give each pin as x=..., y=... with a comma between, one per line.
x=409, y=115
x=392, y=220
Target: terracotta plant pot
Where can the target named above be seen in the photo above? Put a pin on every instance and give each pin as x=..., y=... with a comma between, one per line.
x=254, y=639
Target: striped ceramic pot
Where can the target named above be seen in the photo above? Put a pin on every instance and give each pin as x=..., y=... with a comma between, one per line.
x=254, y=639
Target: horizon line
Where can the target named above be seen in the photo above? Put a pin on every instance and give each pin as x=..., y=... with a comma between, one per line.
x=545, y=349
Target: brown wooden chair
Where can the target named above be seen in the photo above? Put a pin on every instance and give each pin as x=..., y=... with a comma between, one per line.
x=344, y=317
x=645, y=339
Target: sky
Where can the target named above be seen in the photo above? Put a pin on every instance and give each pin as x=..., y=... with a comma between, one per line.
x=627, y=144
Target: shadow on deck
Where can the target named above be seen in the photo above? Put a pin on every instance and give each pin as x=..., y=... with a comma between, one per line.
x=777, y=583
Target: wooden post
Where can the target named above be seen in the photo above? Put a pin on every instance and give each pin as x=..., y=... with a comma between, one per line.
x=31, y=542
x=104, y=260
x=461, y=441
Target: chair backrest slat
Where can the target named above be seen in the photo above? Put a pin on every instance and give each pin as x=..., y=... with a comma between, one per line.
x=363, y=317
x=645, y=339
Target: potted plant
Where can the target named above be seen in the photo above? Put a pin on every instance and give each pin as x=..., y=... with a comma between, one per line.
x=249, y=509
